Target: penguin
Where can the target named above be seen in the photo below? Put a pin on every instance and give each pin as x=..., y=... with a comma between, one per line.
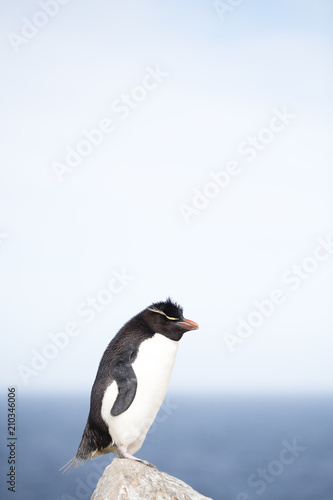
x=131, y=383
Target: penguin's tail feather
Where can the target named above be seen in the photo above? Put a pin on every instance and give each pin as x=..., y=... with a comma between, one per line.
x=73, y=464
x=93, y=444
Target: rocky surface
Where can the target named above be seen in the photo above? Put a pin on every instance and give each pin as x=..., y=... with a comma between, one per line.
x=130, y=480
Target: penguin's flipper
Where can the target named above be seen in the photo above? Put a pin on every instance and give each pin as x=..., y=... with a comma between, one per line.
x=122, y=372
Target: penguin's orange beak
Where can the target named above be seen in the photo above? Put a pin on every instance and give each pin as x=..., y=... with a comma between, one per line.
x=187, y=324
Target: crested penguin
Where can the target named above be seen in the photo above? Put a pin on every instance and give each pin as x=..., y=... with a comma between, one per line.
x=131, y=383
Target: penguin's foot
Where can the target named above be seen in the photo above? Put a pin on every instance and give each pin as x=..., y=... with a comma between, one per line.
x=123, y=453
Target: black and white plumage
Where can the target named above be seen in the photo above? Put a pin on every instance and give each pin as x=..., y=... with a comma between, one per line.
x=131, y=382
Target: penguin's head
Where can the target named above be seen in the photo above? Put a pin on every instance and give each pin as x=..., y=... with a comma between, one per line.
x=167, y=319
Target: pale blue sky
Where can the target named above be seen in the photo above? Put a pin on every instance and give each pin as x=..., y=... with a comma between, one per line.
x=119, y=209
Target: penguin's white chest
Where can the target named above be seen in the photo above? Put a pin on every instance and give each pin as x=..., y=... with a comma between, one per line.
x=152, y=366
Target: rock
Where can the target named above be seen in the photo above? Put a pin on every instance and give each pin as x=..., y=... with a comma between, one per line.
x=127, y=479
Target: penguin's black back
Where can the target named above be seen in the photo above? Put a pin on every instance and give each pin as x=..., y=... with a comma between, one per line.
x=125, y=344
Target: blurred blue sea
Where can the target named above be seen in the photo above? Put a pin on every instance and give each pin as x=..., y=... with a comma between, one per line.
x=215, y=444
